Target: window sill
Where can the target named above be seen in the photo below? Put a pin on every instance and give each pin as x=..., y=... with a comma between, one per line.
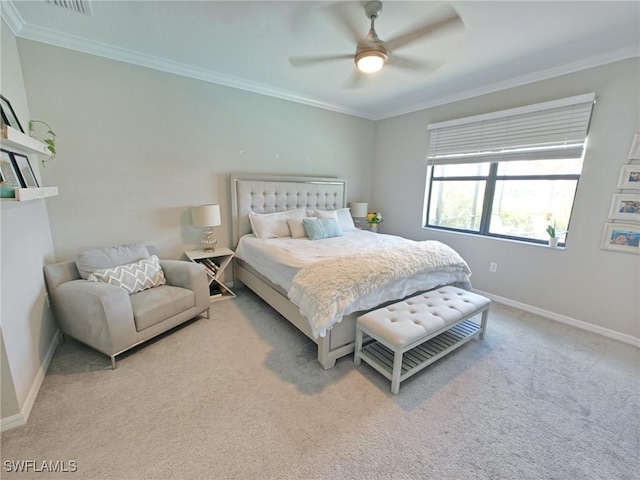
x=500, y=239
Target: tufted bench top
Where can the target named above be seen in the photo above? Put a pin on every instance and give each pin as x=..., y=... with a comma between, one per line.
x=408, y=321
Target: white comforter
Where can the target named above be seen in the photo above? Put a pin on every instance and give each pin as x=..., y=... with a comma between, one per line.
x=333, y=277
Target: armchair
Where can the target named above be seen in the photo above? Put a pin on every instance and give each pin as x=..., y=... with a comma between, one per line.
x=107, y=317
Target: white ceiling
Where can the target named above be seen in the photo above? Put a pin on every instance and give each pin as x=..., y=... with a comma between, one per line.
x=248, y=44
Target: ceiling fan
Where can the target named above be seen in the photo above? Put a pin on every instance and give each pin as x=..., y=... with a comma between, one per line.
x=372, y=53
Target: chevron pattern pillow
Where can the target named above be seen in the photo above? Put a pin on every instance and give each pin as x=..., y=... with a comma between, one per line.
x=133, y=277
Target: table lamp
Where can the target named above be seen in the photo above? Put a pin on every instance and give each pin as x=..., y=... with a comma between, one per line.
x=358, y=210
x=207, y=216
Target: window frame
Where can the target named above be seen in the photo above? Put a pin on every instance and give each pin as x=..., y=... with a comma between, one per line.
x=491, y=180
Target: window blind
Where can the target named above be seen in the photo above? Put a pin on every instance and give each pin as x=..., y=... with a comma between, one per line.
x=550, y=130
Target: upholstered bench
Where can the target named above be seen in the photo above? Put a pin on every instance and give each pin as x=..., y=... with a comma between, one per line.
x=411, y=334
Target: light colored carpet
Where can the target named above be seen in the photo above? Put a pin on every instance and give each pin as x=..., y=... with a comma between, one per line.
x=241, y=396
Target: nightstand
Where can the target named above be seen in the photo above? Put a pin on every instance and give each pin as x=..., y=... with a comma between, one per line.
x=214, y=262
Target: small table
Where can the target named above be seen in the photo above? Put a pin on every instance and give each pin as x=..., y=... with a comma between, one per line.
x=214, y=262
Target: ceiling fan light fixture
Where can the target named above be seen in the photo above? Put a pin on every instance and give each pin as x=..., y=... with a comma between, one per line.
x=370, y=61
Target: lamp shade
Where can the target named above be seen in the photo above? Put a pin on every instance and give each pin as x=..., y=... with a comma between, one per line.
x=634, y=152
x=359, y=209
x=206, y=216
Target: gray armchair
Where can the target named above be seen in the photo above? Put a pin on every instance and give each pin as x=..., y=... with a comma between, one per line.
x=109, y=319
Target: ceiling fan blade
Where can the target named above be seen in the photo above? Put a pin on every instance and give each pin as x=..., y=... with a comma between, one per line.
x=452, y=20
x=341, y=14
x=409, y=63
x=313, y=60
x=356, y=80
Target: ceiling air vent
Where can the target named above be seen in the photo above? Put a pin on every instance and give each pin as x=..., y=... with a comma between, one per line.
x=80, y=6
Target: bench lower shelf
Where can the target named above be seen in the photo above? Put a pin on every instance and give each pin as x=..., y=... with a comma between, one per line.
x=381, y=358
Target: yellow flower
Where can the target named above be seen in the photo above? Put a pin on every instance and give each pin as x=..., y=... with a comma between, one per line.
x=374, y=218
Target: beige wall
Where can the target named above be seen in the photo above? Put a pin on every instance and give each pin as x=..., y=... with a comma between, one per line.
x=9, y=406
x=137, y=148
x=583, y=282
x=28, y=327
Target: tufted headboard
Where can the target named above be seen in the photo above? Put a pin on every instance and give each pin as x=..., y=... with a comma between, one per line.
x=270, y=193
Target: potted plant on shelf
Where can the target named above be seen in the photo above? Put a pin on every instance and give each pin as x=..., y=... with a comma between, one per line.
x=374, y=219
x=553, y=239
x=50, y=141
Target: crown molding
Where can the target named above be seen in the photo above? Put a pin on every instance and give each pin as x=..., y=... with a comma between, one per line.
x=72, y=42
x=592, y=62
x=11, y=16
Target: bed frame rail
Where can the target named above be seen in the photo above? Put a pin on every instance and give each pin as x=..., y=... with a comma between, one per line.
x=339, y=340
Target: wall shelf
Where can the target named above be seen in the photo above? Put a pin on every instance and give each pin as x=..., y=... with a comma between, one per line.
x=13, y=139
x=26, y=194
x=16, y=141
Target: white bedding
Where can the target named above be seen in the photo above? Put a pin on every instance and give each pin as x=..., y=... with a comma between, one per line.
x=280, y=259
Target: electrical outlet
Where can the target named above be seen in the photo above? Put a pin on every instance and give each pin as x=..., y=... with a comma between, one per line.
x=493, y=267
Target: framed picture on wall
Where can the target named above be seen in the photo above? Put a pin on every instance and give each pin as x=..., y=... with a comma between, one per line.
x=24, y=169
x=9, y=171
x=629, y=177
x=625, y=206
x=9, y=117
x=621, y=237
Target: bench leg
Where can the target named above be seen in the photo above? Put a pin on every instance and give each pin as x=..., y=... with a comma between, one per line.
x=483, y=323
x=397, y=370
x=358, y=347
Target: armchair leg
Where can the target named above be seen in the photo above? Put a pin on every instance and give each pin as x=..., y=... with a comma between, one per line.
x=113, y=362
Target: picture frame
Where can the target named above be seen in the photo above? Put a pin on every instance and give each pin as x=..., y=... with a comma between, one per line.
x=621, y=237
x=23, y=166
x=629, y=177
x=9, y=117
x=9, y=171
x=625, y=206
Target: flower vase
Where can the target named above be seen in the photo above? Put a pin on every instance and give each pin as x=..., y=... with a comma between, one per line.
x=374, y=228
x=553, y=242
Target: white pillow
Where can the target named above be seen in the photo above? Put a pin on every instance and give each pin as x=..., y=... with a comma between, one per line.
x=133, y=277
x=342, y=215
x=296, y=226
x=327, y=214
x=274, y=225
x=345, y=220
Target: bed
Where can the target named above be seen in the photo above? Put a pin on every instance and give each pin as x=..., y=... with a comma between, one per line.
x=295, y=275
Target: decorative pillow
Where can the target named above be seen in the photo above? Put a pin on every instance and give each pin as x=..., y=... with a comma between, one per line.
x=318, y=228
x=326, y=214
x=345, y=220
x=343, y=215
x=274, y=225
x=133, y=277
x=297, y=228
x=99, y=259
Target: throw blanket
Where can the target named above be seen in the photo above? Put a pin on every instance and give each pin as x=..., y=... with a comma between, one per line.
x=324, y=289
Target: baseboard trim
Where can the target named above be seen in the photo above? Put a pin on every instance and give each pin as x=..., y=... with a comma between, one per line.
x=605, y=332
x=21, y=418
x=13, y=421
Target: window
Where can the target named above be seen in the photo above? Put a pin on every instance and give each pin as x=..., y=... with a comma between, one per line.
x=508, y=174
